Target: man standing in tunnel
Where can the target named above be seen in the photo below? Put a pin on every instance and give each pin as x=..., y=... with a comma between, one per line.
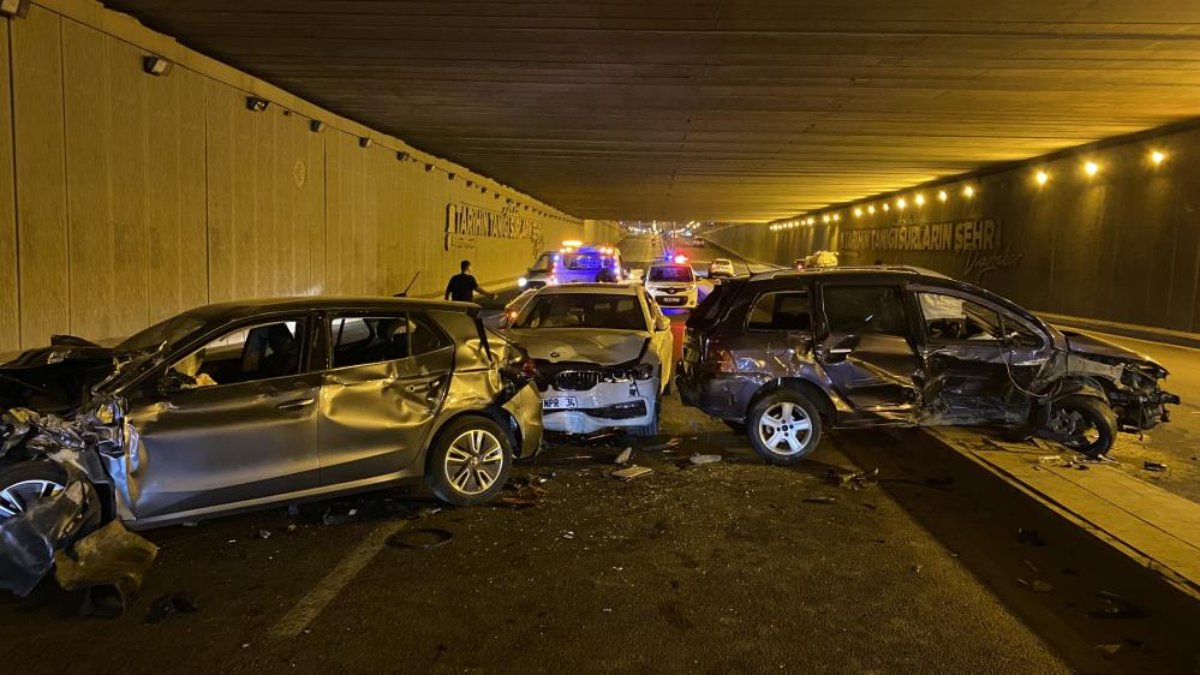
x=462, y=286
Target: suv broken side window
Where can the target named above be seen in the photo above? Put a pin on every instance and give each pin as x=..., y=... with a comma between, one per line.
x=951, y=318
x=781, y=311
x=865, y=310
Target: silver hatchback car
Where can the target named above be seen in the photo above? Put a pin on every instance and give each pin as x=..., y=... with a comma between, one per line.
x=240, y=406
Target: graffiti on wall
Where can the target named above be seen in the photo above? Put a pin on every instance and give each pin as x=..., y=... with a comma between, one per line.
x=979, y=242
x=465, y=223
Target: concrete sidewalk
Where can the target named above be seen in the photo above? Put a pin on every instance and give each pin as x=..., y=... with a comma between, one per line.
x=1158, y=530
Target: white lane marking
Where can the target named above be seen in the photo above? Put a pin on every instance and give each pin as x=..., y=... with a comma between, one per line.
x=310, y=606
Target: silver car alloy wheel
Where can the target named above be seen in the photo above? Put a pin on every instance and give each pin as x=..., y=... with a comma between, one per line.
x=23, y=495
x=473, y=461
x=784, y=428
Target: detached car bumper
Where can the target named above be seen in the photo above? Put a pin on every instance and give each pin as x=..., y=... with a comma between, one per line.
x=608, y=405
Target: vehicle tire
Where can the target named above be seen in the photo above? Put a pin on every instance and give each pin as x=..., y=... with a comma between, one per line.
x=470, y=461
x=1090, y=422
x=22, y=485
x=784, y=427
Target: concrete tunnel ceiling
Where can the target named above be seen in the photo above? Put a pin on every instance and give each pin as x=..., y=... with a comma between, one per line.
x=727, y=110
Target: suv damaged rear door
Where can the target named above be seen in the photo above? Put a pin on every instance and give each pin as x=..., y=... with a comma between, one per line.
x=866, y=348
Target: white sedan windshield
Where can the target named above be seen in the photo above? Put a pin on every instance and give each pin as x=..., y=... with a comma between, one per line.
x=583, y=310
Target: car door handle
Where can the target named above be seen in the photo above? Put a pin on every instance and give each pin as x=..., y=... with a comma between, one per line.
x=418, y=387
x=295, y=404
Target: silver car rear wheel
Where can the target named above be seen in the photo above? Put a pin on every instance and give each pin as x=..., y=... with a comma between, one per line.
x=474, y=461
x=470, y=460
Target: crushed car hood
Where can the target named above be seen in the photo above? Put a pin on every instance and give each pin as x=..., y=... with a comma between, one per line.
x=1087, y=345
x=55, y=378
x=599, y=346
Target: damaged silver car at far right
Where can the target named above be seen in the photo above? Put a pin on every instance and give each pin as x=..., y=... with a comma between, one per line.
x=240, y=406
x=783, y=354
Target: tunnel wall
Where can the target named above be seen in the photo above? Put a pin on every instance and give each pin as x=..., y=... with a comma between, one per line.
x=1122, y=245
x=125, y=197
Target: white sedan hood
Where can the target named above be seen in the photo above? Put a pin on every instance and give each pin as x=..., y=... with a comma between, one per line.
x=590, y=345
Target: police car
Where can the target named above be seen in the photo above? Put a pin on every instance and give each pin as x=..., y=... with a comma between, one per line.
x=672, y=283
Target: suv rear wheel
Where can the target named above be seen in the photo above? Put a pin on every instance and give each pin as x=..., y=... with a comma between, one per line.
x=784, y=427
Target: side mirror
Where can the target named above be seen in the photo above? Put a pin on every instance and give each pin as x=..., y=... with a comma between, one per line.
x=662, y=323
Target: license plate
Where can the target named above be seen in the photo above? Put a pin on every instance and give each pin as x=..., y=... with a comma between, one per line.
x=672, y=300
x=560, y=403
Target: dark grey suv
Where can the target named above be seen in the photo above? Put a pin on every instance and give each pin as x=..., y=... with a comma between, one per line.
x=239, y=406
x=785, y=353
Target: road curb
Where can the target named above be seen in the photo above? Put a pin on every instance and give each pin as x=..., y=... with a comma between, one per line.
x=1154, y=561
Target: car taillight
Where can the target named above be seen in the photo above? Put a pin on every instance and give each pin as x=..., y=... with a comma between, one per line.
x=719, y=356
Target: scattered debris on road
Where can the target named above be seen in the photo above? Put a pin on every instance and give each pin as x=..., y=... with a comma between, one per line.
x=1030, y=537
x=422, y=539
x=170, y=605
x=1154, y=466
x=623, y=458
x=1037, y=585
x=1116, y=607
x=853, y=480
x=697, y=459
x=664, y=446
x=820, y=500
x=632, y=471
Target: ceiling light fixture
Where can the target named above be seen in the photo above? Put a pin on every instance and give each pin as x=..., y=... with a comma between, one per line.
x=256, y=104
x=942, y=196
x=155, y=65
x=1157, y=157
x=968, y=192
x=1091, y=168
x=1042, y=177
x=14, y=7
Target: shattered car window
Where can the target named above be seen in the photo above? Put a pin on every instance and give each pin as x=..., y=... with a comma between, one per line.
x=583, y=310
x=245, y=354
x=781, y=311
x=863, y=310
x=952, y=318
x=168, y=332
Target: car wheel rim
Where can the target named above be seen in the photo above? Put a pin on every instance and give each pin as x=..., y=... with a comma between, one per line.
x=22, y=495
x=474, y=461
x=1082, y=434
x=785, y=428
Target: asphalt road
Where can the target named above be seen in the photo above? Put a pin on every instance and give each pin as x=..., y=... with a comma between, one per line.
x=733, y=566
x=717, y=568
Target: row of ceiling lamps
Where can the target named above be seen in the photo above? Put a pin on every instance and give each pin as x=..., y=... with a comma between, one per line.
x=1042, y=177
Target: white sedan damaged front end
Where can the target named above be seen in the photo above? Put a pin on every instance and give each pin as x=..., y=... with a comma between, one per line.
x=583, y=400
x=595, y=380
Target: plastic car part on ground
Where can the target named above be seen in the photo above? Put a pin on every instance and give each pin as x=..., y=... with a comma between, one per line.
x=111, y=556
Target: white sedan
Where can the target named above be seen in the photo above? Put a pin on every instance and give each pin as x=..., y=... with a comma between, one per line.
x=602, y=354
